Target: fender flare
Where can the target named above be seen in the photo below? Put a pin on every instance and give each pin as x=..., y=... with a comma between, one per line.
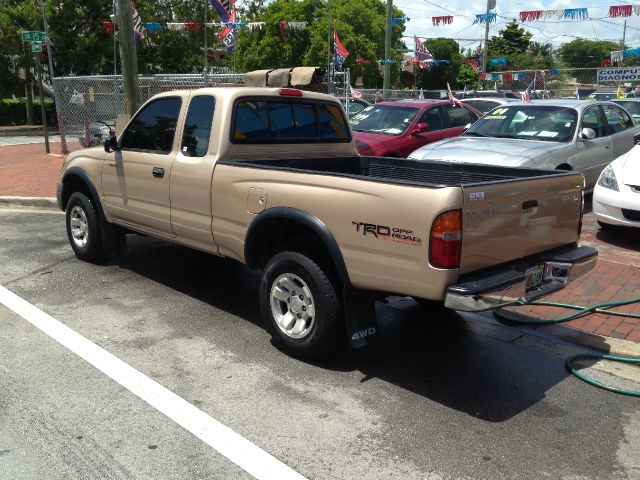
x=77, y=171
x=301, y=217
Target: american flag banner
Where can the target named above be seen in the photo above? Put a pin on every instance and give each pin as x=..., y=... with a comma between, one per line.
x=355, y=93
x=228, y=34
x=340, y=53
x=138, y=27
x=420, y=51
x=222, y=7
x=526, y=95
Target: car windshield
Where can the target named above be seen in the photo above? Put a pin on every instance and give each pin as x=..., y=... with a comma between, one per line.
x=529, y=122
x=632, y=107
x=385, y=119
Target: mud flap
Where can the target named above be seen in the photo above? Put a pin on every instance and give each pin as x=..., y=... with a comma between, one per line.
x=360, y=317
x=114, y=240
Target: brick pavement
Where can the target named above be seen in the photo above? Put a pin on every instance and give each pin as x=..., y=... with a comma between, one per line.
x=25, y=170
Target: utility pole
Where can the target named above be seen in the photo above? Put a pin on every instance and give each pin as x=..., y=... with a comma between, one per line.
x=128, y=57
x=42, y=106
x=386, y=83
x=48, y=40
x=329, y=47
x=206, y=49
x=491, y=4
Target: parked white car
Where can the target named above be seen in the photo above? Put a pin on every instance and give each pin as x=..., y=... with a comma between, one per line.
x=616, y=196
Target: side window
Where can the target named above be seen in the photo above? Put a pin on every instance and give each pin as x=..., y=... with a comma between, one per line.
x=459, y=116
x=332, y=123
x=617, y=119
x=433, y=117
x=592, y=118
x=273, y=121
x=197, y=126
x=154, y=127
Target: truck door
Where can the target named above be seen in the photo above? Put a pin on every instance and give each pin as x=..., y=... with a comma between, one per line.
x=191, y=174
x=135, y=180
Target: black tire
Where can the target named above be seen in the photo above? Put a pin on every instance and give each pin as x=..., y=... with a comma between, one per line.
x=325, y=331
x=92, y=250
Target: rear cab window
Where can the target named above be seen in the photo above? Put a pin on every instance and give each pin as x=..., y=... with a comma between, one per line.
x=277, y=120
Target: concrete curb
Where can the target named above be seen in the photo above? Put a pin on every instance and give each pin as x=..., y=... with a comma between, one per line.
x=47, y=203
x=607, y=345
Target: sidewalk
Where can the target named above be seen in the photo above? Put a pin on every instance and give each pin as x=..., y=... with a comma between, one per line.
x=26, y=171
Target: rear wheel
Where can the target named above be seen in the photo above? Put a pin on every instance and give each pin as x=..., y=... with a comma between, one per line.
x=300, y=305
x=83, y=228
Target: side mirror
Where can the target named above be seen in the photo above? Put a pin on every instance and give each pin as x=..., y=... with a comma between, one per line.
x=420, y=128
x=111, y=144
x=588, y=134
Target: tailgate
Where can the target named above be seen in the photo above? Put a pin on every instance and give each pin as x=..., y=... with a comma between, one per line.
x=509, y=220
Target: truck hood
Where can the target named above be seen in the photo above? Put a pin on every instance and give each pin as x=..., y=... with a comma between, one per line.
x=486, y=150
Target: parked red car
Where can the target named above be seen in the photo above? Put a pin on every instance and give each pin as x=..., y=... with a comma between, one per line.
x=395, y=129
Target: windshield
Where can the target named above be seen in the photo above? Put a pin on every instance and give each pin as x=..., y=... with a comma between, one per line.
x=632, y=107
x=385, y=119
x=602, y=96
x=529, y=122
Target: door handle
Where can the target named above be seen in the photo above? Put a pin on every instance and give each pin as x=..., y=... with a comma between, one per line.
x=158, y=172
x=112, y=164
x=529, y=204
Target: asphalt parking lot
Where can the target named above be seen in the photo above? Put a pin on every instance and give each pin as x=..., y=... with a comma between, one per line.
x=438, y=397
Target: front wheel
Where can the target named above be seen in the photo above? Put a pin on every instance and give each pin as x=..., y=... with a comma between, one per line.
x=300, y=305
x=83, y=228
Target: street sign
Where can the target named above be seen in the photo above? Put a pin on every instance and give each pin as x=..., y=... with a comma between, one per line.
x=619, y=74
x=36, y=47
x=33, y=36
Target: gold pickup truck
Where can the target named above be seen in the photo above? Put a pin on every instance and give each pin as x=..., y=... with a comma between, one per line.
x=271, y=177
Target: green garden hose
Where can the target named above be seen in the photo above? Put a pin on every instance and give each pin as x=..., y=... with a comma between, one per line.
x=514, y=317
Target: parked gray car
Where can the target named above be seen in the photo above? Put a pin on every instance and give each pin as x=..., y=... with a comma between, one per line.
x=487, y=104
x=549, y=134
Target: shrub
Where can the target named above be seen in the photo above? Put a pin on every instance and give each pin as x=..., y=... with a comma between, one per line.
x=14, y=112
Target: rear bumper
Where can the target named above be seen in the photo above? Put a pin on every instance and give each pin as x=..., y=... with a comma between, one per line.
x=507, y=285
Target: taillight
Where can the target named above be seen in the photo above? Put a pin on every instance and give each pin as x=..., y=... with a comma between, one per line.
x=446, y=240
x=290, y=92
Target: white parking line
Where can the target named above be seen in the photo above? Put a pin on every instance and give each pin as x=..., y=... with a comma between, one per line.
x=235, y=447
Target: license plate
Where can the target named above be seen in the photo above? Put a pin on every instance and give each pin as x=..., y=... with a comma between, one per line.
x=533, y=277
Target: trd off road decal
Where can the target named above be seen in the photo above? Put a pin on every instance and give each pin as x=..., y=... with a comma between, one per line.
x=392, y=234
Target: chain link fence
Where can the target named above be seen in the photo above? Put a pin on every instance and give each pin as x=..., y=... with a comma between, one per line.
x=557, y=83
x=88, y=106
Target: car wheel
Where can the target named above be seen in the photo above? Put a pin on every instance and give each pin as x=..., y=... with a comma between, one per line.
x=83, y=228
x=300, y=304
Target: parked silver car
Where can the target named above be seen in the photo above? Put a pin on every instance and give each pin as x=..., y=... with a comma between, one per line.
x=564, y=134
x=487, y=104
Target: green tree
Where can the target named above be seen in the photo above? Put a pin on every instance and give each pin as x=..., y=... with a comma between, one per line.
x=437, y=77
x=586, y=53
x=514, y=44
x=467, y=77
x=360, y=26
x=512, y=39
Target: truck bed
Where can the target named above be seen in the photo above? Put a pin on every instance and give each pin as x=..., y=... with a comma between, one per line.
x=401, y=171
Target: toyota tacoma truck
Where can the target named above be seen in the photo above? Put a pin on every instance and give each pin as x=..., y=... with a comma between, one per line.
x=270, y=177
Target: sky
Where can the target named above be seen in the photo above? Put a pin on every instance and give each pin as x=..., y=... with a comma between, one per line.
x=555, y=31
